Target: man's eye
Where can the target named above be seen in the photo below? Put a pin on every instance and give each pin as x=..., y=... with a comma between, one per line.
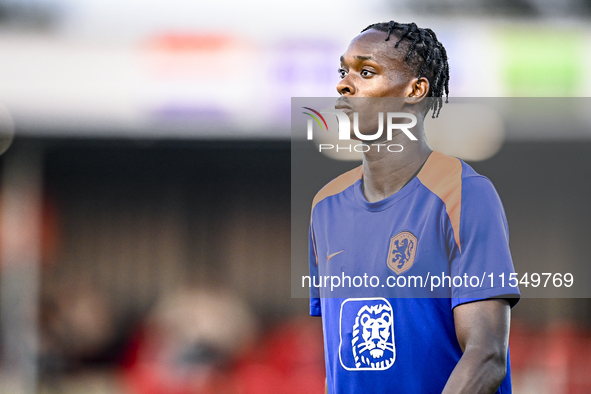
x=342, y=72
x=365, y=73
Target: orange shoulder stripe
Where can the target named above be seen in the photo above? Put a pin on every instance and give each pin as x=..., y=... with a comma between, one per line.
x=333, y=187
x=442, y=175
x=338, y=184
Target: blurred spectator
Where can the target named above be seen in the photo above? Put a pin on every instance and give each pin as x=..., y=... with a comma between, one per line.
x=76, y=324
x=189, y=344
x=201, y=342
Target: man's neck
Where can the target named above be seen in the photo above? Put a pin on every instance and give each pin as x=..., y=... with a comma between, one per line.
x=385, y=173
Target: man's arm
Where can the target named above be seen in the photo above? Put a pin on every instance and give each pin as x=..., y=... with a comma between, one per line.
x=482, y=329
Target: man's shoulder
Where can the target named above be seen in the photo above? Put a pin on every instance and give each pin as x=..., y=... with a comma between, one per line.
x=445, y=175
x=338, y=185
x=476, y=186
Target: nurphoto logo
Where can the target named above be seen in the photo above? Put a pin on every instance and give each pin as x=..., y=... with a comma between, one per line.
x=344, y=128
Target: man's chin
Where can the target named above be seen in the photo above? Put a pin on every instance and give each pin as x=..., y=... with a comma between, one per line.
x=354, y=137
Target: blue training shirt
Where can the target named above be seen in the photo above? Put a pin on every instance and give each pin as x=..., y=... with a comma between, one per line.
x=385, y=276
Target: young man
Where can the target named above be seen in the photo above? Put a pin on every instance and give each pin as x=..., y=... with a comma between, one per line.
x=410, y=212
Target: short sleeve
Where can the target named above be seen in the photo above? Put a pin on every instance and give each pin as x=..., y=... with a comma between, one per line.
x=484, y=261
x=315, y=309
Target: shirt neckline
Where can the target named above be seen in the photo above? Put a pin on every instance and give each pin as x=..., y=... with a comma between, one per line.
x=388, y=201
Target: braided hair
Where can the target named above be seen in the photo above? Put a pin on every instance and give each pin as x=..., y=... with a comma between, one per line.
x=426, y=56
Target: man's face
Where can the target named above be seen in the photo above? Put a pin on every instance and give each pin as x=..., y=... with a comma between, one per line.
x=371, y=70
x=372, y=67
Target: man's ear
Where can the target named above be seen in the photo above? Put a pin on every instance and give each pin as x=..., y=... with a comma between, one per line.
x=419, y=90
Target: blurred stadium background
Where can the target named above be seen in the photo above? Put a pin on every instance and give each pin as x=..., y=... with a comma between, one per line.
x=145, y=188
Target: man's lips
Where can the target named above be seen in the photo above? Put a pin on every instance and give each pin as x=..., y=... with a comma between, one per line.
x=343, y=106
x=345, y=109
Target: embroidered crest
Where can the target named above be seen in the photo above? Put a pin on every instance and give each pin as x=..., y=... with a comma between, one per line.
x=401, y=256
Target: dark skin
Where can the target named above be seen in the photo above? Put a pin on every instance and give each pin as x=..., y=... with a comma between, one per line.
x=370, y=68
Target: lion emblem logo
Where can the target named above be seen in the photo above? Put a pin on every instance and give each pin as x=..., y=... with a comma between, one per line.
x=367, y=334
x=401, y=256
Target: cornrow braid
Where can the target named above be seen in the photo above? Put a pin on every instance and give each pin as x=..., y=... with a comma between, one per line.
x=426, y=55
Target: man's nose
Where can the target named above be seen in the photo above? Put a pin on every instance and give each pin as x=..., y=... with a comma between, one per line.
x=346, y=86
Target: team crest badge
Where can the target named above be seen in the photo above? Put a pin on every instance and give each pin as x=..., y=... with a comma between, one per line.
x=367, y=334
x=401, y=256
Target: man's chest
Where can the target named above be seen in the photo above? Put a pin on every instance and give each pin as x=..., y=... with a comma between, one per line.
x=390, y=243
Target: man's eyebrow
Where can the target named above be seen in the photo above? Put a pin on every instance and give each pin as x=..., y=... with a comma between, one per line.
x=360, y=58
